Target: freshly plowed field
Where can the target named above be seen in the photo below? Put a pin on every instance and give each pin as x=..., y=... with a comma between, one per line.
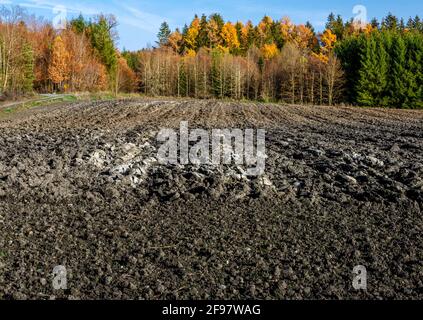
x=80, y=187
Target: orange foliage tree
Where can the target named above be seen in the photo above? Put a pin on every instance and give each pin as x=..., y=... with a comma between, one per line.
x=126, y=78
x=58, y=69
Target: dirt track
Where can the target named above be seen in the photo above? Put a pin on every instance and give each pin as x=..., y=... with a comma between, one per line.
x=79, y=187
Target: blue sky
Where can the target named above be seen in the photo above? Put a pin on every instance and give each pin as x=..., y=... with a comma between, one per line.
x=139, y=20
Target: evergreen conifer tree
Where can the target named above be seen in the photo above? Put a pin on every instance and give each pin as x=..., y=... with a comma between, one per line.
x=28, y=68
x=163, y=35
x=398, y=75
x=373, y=73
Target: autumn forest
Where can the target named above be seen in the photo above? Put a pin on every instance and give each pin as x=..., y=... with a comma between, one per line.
x=377, y=64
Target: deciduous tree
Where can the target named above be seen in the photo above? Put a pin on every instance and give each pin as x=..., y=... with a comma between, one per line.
x=58, y=69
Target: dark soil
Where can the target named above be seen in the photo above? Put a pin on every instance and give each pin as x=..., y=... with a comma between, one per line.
x=80, y=187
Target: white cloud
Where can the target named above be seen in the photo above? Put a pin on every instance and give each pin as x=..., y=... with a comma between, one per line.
x=74, y=7
x=140, y=19
x=128, y=15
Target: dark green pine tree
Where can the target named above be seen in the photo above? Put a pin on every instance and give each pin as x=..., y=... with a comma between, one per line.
x=336, y=25
x=218, y=19
x=103, y=43
x=163, y=35
x=390, y=22
x=415, y=24
x=339, y=28
x=132, y=59
x=184, y=35
x=217, y=85
x=185, y=30
x=243, y=45
x=399, y=76
x=350, y=51
x=410, y=24
x=402, y=25
x=330, y=21
x=183, y=89
x=277, y=35
x=414, y=66
x=310, y=26
x=418, y=24
x=375, y=23
x=251, y=35
x=373, y=74
x=79, y=24
x=28, y=68
x=203, y=37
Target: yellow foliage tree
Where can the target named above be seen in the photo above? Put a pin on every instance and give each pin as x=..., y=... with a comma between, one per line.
x=190, y=53
x=329, y=40
x=222, y=49
x=58, y=69
x=244, y=33
x=269, y=51
x=230, y=36
x=192, y=34
x=320, y=57
x=368, y=29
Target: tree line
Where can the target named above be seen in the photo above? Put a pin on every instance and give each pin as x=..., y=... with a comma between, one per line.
x=369, y=64
x=351, y=62
x=273, y=61
x=34, y=56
